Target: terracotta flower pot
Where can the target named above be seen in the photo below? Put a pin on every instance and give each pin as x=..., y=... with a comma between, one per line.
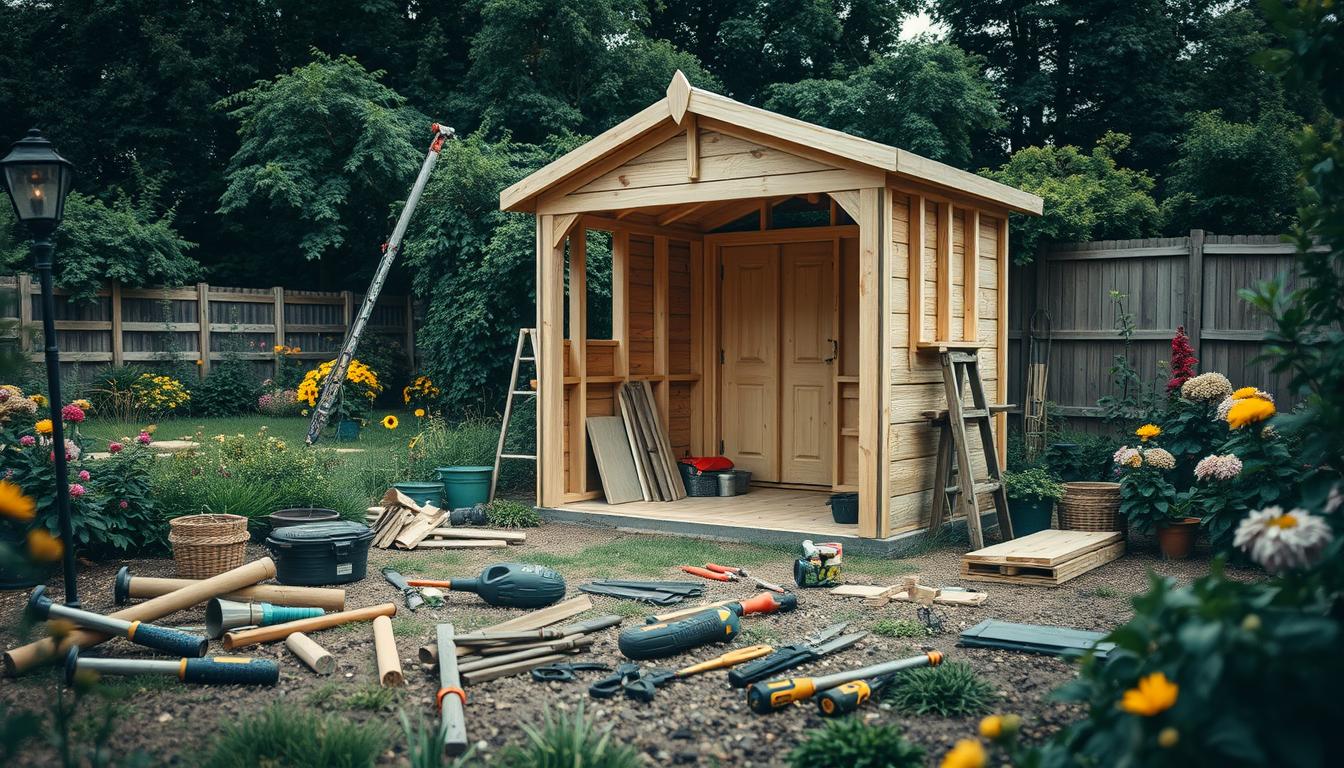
x=1177, y=538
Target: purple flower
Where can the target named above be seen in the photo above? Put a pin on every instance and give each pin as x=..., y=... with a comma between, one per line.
x=143, y=438
x=76, y=490
x=84, y=475
x=27, y=441
x=124, y=504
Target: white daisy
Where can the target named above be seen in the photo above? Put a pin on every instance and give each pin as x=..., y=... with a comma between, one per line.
x=1279, y=540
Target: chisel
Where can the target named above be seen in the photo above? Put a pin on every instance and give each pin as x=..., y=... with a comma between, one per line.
x=162, y=639
x=766, y=697
x=222, y=670
x=762, y=603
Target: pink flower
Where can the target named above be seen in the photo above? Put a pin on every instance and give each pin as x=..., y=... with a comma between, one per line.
x=84, y=475
x=72, y=413
x=27, y=441
x=114, y=447
x=124, y=504
x=143, y=438
x=76, y=490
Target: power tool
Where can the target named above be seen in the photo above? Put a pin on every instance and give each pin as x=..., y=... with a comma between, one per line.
x=766, y=697
x=509, y=585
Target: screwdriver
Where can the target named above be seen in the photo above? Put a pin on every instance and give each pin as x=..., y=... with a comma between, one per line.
x=768, y=696
x=648, y=682
x=843, y=699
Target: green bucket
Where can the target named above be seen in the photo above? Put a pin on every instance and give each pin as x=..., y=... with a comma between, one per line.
x=465, y=486
x=422, y=492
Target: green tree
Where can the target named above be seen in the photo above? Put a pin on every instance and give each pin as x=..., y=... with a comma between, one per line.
x=1233, y=177
x=1088, y=196
x=925, y=96
x=323, y=147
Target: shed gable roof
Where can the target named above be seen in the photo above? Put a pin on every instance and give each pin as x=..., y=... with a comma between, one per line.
x=682, y=99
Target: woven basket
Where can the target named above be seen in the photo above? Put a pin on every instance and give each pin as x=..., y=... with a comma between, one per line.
x=207, y=545
x=1091, y=506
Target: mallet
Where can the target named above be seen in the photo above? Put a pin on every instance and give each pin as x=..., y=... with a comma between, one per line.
x=158, y=638
x=221, y=670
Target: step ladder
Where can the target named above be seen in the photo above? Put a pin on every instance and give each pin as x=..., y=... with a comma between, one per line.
x=527, y=342
x=955, y=486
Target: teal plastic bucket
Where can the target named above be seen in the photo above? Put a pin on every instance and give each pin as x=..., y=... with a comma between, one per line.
x=465, y=486
x=424, y=492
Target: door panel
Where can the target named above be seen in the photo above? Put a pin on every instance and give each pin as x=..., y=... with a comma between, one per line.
x=807, y=354
x=750, y=407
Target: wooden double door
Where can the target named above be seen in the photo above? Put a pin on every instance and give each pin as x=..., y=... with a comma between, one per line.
x=779, y=343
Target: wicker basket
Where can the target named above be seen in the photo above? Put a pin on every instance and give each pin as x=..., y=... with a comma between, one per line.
x=206, y=545
x=1091, y=506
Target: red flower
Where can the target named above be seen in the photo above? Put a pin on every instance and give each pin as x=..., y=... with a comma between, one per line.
x=72, y=413
x=1183, y=360
x=115, y=447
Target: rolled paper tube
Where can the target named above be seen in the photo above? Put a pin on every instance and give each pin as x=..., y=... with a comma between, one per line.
x=326, y=598
x=246, y=637
x=385, y=649
x=315, y=656
x=25, y=657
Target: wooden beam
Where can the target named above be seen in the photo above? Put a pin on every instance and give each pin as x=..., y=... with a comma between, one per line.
x=677, y=214
x=605, y=224
x=660, y=323
x=692, y=149
x=551, y=386
x=916, y=274
x=765, y=215
x=849, y=200
x=887, y=262
x=578, y=361
x=203, y=317
x=726, y=214
x=561, y=229
x=943, y=289
x=710, y=350
x=872, y=467
x=970, y=275
x=698, y=279
x=791, y=235
x=1001, y=350
x=620, y=297
x=118, y=349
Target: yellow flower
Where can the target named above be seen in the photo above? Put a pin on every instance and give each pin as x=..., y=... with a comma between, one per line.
x=1153, y=695
x=14, y=504
x=304, y=412
x=83, y=404
x=43, y=546
x=43, y=427
x=1148, y=431
x=390, y=421
x=1249, y=411
x=41, y=400
x=1244, y=392
x=968, y=753
x=278, y=348
x=152, y=428
x=420, y=413
x=992, y=727
x=1168, y=738
x=406, y=394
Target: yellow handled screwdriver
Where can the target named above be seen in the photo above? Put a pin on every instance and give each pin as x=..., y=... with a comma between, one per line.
x=769, y=695
x=647, y=683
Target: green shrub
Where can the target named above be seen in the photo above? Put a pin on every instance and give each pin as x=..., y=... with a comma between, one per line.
x=852, y=743
x=1033, y=484
x=899, y=628
x=285, y=736
x=112, y=392
x=568, y=741
x=506, y=513
x=372, y=698
x=948, y=690
x=229, y=389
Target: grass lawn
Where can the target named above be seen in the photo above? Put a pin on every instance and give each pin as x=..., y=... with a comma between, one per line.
x=291, y=429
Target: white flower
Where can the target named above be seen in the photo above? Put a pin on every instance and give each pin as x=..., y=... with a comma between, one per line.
x=1217, y=467
x=1160, y=458
x=1224, y=407
x=1279, y=540
x=1125, y=456
x=1206, y=388
x=1334, y=500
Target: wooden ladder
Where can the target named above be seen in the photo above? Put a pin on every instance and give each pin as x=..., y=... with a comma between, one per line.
x=526, y=337
x=955, y=472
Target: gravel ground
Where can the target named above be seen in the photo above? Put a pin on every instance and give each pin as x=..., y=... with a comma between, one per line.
x=700, y=721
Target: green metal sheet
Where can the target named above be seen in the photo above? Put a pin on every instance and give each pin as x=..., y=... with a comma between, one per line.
x=1034, y=638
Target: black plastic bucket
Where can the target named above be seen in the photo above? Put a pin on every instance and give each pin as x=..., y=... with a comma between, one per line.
x=844, y=508
x=334, y=552
x=301, y=515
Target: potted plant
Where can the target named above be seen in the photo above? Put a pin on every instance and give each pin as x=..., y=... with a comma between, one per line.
x=353, y=403
x=1032, y=494
x=1148, y=499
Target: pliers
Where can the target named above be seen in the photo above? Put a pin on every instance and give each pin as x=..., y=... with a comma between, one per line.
x=563, y=672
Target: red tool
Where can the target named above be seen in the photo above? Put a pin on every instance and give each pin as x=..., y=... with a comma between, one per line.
x=764, y=603
x=726, y=569
x=705, y=573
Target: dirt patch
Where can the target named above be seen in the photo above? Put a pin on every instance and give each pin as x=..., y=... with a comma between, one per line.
x=701, y=721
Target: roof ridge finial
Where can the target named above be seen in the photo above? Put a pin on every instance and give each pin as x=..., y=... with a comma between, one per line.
x=678, y=96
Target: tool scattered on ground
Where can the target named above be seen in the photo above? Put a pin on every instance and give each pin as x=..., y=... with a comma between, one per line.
x=820, y=564
x=385, y=654
x=565, y=672
x=222, y=615
x=843, y=699
x=654, y=641
x=412, y=595
x=726, y=569
x=706, y=573
x=509, y=585
x=612, y=684
x=497, y=638
x=648, y=682
x=245, y=637
x=768, y=696
x=682, y=613
x=309, y=652
x=450, y=700
x=765, y=602
x=429, y=654
x=653, y=592
x=813, y=647
x=161, y=639
x=770, y=585
x=1035, y=638
x=574, y=644
x=212, y=670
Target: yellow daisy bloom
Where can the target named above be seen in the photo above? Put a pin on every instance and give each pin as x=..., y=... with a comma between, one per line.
x=390, y=421
x=14, y=504
x=1148, y=431
x=968, y=753
x=420, y=413
x=1153, y=695
x=44, y=547
x=1249, y=411
x=43, y=427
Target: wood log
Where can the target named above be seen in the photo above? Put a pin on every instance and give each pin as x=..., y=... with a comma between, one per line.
x=309, y=652
x=569, y=644
x=21, y=659
x=462, y=544
x=420, y=526
x=385, y=650
x=246, y=637
x=448, y=532
x=328, y=599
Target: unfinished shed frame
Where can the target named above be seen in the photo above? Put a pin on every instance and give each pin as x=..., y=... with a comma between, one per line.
x=764, y=277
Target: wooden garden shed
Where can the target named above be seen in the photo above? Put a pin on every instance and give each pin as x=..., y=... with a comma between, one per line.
x=784, y=288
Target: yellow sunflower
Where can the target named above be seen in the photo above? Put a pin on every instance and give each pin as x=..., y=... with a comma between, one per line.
x=1243, y=393
x=14, y=504
x=1148, y=431
x=390, y=421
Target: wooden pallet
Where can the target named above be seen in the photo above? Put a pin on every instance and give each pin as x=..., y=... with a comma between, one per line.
x=1048, y=561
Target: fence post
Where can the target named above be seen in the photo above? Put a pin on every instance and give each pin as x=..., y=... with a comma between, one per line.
x=203, y=318
x=347, y=308
x=279, y=325
x=25, y=312
x=118, y=344
x=1194, y=289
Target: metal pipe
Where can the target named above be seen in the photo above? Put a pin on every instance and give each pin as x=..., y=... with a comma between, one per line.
x=450, y=698
x=170, y=641
x=109, y=666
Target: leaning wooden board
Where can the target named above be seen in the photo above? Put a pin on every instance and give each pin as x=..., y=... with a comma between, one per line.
x=1040, y=575
x=1052, y=547
x=615, y=462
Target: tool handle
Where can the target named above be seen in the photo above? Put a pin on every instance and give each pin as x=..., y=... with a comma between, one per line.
x=729, y=659
x=768, y=696
x=591, y=625
x=230, y=670
x=654, y=641
x=170, y=641
x=395, y=579
x=843, y=699
x=768, y=602
x=705, y=573
x=784, y=659
x=440, y=583
x=725, y=569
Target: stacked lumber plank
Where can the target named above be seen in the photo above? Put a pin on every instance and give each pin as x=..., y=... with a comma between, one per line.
x=1047, y=559
x=655, y=465
x=400, y=523
x=909, y=591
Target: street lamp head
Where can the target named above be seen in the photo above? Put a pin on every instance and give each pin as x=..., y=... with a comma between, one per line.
x=37, y=180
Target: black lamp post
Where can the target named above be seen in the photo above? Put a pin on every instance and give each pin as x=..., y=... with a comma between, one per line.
x=38, y=180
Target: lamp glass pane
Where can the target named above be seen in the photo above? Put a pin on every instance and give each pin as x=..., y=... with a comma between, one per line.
x=36, y=189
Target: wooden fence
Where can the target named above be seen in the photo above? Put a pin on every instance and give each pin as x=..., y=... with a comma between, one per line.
x=1176, y=281
x=202, y=324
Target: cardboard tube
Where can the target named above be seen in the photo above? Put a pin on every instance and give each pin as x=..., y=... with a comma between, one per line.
x=246, y=637
x=328, y=599
x=21, y=659
x=385, y=649
x=315, y=656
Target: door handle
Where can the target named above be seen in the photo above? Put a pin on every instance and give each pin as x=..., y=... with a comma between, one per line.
x=835, y=351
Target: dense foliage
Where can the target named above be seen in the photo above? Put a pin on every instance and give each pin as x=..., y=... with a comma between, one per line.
x=850, y=741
